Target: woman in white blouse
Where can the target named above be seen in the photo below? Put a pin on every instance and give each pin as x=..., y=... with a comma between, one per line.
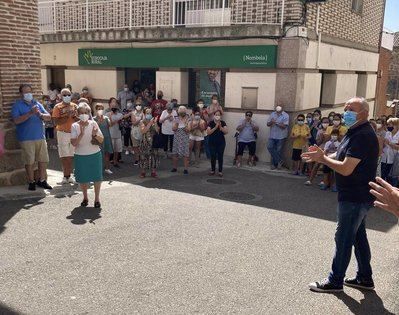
x=86, y=137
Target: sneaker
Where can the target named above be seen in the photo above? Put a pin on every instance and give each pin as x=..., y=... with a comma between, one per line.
x=108, y=171
x=44, y=184
x=295, y=173
x=272, y=167
x=334, y=189
x=238, y=164
x=71, y=180
x=174, y=170
x=280, y=165
x=325, y=286
x=308, y=183
x=220, y=174
x=321, y=183
x=355, y=283
x=127, y=152
x=64, y=181
x=185, y=172
x=211, y=173
x=250, y=163
x=32, y=186
x=136, y=163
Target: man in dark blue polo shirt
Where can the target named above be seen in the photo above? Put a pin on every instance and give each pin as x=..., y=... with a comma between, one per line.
x=355, y=165
x=28, y=115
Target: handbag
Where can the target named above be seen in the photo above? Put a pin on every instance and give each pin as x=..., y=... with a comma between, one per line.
x=94, y=141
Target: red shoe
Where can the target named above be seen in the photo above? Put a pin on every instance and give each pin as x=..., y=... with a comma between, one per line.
x=154, y=175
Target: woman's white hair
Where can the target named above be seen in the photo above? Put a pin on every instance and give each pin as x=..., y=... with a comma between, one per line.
x=85, y=107
x=182, y=109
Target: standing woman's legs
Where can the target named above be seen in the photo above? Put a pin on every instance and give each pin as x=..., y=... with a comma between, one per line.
x=212, y=151
x=220, y=153
x=106, y=160
x=97, y=186
x=197, y=151
x=84, y=190
x=191, y=148
x=171, y=137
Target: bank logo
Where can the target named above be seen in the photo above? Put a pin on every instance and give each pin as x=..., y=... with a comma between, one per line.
x=92, y=59
x=255, y=59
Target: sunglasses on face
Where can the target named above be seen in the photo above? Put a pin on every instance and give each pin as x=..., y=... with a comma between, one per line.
x=300, y=120
x=248, y=115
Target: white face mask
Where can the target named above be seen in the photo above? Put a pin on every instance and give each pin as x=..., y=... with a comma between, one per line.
x=100, y=112
x=217, y=118
x=325, y=125
x=334, y=138
x=379, y=126
x=126, y=89
x=214, y=101
x=201, y=105
x=66, y=99
x=138, y=108
x=279, y=109
x=84, y=117
x=336, y=123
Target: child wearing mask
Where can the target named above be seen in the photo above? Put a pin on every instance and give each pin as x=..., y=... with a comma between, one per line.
x=337, y=125
x=321, y=139
x=300, y=133
x=330, y=147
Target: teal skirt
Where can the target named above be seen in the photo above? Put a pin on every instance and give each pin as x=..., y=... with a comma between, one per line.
x=88, y=168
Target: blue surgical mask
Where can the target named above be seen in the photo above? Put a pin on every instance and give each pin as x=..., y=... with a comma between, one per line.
x=148, y=116
x=350, y=118
x=28, y=97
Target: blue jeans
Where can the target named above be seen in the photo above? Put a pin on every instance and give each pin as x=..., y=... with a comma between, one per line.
x=351, y=231
x=275, y=146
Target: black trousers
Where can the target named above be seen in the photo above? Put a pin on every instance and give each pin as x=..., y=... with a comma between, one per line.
x=127, y=140
x=167, y=142
x=217, y=152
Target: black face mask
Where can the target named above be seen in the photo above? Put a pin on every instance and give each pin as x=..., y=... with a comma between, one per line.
x=390, y=129
x=159, y=97
x=114, y=110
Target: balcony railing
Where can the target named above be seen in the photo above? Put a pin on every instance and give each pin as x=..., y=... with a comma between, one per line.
x=88, y=15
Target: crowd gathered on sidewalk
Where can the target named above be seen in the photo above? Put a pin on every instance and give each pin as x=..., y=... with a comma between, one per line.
x=140, y=123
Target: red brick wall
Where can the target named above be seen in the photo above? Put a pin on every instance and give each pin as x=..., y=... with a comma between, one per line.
x=19, y=50
x=382, y=83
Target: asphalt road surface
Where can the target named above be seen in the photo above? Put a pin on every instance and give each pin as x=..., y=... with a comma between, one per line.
x=247, y=244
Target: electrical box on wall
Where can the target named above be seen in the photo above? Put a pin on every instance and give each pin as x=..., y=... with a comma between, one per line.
x=297, y=31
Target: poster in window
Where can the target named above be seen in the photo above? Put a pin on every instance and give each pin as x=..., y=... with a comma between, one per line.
x=210, y=84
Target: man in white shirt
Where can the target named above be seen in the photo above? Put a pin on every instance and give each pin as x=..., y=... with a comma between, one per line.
x=166, y=120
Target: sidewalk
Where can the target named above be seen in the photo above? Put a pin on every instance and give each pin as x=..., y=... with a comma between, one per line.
x=127, y=174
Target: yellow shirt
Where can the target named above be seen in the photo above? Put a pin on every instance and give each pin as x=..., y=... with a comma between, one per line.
x=303, y=132
x=342, y=130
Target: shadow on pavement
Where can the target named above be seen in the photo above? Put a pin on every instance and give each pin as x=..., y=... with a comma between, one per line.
x=9, y=208
x=370, y=304
x=5, y=310
x=82, y=215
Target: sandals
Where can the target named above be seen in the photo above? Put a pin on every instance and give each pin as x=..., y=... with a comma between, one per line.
x=84, y=203
x=97, y=204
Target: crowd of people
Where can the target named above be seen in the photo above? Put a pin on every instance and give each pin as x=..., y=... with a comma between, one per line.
x=141, y=123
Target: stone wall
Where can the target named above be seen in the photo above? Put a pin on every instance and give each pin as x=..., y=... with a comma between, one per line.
x=19, y=62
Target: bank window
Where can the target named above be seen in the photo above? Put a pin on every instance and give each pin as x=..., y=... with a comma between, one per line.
x=249, y=98
x=357, y=6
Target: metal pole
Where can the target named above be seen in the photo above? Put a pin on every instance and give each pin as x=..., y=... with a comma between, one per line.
x=130, y=14
x=223, y=5
x=282, y=14
x=173, y=12
x=87, y=15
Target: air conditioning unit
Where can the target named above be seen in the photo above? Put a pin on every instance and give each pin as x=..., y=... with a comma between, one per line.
x=296, y=31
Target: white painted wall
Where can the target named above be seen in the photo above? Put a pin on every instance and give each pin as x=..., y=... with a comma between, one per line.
x=173, y=84
x=366, y=85
x=334, y=57
x=265, y=82
x=339, y=87
x=102, y=84
x=308, y=91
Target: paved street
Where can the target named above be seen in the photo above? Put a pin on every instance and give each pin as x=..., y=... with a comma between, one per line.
x=247, y=244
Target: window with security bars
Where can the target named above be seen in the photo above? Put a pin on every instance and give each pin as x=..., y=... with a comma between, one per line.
x=357, y=6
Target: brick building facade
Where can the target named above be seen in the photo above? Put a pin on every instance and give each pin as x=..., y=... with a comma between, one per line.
x=393, y=85
x=19, y=62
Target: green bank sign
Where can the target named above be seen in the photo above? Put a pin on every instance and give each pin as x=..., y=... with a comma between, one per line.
x=181, y=57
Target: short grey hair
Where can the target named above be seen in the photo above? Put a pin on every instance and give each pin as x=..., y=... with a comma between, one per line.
x=360, y=100
x=85, y=107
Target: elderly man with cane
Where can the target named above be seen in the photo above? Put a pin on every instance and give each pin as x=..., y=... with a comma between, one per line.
x=355, y=164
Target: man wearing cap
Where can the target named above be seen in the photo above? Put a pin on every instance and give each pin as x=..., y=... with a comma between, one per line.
x=64, y=115
x=278, y=123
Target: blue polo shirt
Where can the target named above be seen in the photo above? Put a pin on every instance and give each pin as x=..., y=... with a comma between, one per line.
x=32, y=128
